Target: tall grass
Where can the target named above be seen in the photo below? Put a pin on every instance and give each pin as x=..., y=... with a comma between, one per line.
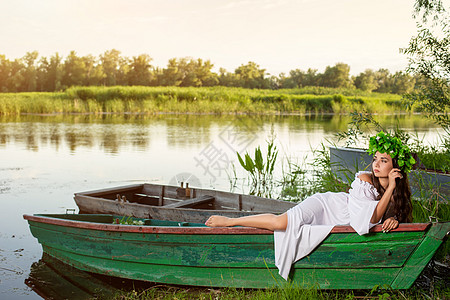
x=150, y=100
x=433, y=156
x=307, y=178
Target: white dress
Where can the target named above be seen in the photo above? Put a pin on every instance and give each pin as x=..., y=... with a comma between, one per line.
x=310, y=222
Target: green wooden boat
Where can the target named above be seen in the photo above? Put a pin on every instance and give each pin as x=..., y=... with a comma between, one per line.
x=192, y=254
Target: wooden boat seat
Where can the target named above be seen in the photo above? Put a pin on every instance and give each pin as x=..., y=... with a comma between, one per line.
x=191, y=202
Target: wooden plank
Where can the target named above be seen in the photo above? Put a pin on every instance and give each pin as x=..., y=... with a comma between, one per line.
x=201, y=229
x=221, y=249
x=229, y=277
x=191, y=202
x=97, y=205
x=231, y=237
x=422, y=255
x=240, y=202
x=161, y=197
x=213, y=252
x=112, y=190
x=254, y=203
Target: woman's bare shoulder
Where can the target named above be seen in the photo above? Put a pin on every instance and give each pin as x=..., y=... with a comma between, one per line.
x=366, y=177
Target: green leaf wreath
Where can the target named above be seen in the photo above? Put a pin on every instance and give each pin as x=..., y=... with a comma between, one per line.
x=385, y=143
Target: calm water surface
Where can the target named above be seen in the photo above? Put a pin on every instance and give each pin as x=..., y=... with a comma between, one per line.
x=45, y=159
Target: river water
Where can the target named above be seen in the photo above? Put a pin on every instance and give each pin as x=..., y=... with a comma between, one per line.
x=46, y=159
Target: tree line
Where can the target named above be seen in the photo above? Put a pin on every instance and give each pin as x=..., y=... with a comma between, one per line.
x=48, y=74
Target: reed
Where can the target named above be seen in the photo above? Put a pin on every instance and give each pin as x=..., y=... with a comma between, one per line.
x=217, y=100
x=260, y=170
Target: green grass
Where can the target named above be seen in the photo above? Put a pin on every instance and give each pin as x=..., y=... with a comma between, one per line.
x=433, y=156
x=162, y=292
x=435, y=159
x=151, y=100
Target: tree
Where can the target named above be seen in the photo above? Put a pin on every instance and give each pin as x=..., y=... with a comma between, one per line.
x=251, y=76
x=226, y=78
x=312, y=78
x=5, y=66
x=337, y=76
x=188, y=72
x=124, y=69
x=429, y=57
x=203, y=72
x=171, y=76
x=111, y=62
x=296, y=79
x=15, y=82
x=140, y=70
x=94, y=72
x=49, y=74
x=285, y=82
x=384, y=81
x=403, y=83
x=74, y=70
x=366, y=81
x=29, y=73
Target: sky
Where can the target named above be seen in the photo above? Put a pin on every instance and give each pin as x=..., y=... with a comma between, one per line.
x=278, y=35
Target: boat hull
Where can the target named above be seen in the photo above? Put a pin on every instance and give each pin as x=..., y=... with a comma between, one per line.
x=235, y=257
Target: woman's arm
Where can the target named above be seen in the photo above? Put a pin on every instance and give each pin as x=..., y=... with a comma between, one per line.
x=382, y=205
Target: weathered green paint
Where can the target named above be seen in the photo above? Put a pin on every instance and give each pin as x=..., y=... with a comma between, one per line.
x=343, y=260
x=421, y=255
x=224, y=250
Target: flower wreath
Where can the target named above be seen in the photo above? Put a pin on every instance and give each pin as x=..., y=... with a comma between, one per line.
x=385, y=143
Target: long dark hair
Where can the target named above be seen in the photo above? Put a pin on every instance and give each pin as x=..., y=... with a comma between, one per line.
x=402, y=206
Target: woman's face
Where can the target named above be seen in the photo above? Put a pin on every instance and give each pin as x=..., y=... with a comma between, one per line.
x=382, y=164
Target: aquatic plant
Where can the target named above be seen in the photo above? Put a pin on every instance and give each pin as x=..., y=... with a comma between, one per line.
x=260, y=170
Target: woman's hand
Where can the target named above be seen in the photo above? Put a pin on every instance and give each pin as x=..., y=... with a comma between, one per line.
x=389, y=224
x=393, y=174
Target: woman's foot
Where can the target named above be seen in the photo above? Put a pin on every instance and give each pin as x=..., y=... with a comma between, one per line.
x=218, y=221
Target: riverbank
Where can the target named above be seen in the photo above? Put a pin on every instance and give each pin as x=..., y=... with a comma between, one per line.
x=212, y=100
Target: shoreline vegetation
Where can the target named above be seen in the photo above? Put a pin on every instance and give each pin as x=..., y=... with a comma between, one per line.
x=32, y=73
x=201, y=100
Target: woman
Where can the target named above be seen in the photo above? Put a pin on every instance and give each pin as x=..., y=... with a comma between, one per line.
x=382, y=195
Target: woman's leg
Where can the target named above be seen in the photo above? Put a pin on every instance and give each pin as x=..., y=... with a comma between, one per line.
x=265, y=221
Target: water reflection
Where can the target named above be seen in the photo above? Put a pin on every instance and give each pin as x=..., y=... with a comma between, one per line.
x=184, y=130
x=112, y=133
x=53, y=279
